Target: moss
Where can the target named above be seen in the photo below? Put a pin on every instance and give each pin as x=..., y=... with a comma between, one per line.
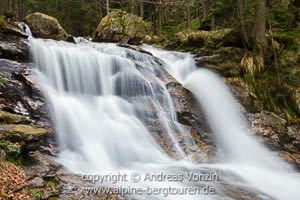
x=3, y=80
x=52, y=183
x=10, y=133
x=9, y=118
x=289, y=39
x=2, y=22
x=37, y=196
x=29, y=130
x=18, y=160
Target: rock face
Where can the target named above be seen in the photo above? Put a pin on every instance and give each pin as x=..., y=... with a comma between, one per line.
x=23, y=109
x=273, y=131
x=13, y=43
x=45, y=26
x=19, y=92
x=120, y=26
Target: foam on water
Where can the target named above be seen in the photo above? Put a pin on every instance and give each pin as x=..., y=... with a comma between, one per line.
x=106, y=100
x=242, y=154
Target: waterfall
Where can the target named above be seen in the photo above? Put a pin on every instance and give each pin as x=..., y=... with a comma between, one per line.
x=108, y=105
x=241, y=153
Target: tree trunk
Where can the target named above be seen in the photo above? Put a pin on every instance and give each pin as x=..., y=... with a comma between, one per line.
x=23, y=9
x=260, y=24
x=290, y=15
x=107, y=6
x=100, y=9
x=10, y=6
x=142, y=10
x=206, y=7
x=240, y=8
x=16, y=8
x=260, y=43
x=200, y=14
x=132, y=7
x=188, y=14
x=2, y=7
x=159, y=23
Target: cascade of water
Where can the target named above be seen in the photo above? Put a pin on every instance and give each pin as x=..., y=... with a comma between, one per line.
x=107, y=103
x=241, y=152
x=101, y=103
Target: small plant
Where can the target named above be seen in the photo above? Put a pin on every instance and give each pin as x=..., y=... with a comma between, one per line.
x=3, y=80
x=52, y=184
x=37, y=196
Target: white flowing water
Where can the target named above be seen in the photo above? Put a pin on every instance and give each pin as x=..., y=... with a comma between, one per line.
x=242, y=154
x=99, y=100
x=108, y=104
x=25, y=28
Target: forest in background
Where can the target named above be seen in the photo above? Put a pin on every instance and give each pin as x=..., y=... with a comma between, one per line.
x=80, y=17
x=269, y=31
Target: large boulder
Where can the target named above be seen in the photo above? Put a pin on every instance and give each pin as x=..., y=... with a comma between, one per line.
x=221, y=37
x=45, y=26
x=120, y=26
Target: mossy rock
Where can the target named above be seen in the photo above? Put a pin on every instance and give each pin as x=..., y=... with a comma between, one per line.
x=28, y=136
x=45, y=26
x=120, y=26
x=21, y=132
x=213, y=39
x=9, y=118
x=2, y=22
x=29, y=131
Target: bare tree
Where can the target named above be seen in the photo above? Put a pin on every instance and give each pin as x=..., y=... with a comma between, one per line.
x=188, y=14
x=260, y=42
x=159, y=25
x=142, y=9
x=260, y=23
x=100, y=8
x=206, y=5
x=132, y=5
x=107, y=6
x=240, y=11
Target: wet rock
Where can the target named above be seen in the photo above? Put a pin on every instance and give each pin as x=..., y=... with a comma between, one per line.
x=272, y=131
x=294, y=132
x=28, y=136
x=45, y=26
x=9, y=118
x=29, y=132
x=49, y=179
x=244, y=94
x=11, y=28
x=120, y=26
x=274, y=120
x=187, y=109
x=19, y=91
x=13, y=42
